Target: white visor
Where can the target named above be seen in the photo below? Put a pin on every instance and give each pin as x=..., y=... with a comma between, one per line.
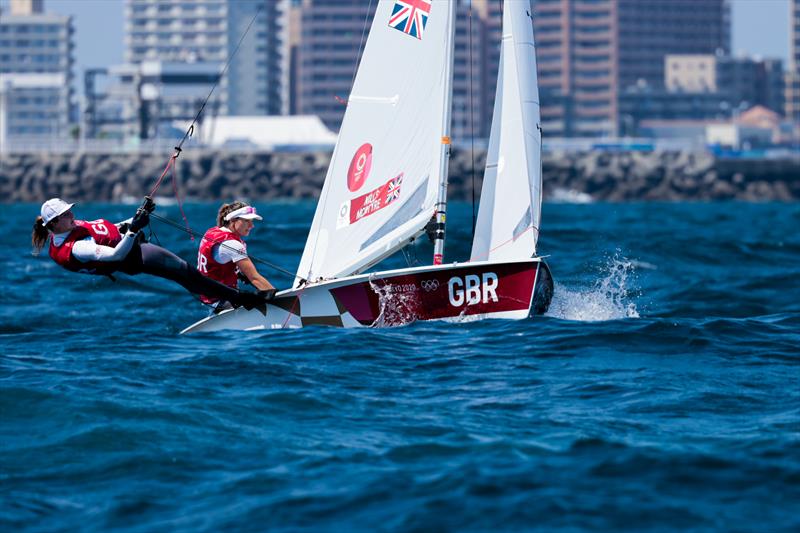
x=247, y=212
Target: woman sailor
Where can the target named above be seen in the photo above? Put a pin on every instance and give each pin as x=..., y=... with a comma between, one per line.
x=223, y=253
x=98, y=247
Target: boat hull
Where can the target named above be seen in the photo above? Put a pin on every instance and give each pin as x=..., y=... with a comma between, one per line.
x=467, y=291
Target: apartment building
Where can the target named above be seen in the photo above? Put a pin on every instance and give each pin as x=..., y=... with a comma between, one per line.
x=36, y=72
x=793, y=76
x=206, y=33
x=590, y=51
x=332, y=36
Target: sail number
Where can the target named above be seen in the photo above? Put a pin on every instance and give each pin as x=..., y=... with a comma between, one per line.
x=472, y=289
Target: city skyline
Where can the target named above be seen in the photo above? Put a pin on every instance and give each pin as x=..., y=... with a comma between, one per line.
x=603, y=64
x=757, y=29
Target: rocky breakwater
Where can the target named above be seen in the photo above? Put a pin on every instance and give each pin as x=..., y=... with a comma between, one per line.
x=671, y=176
x=595, y=175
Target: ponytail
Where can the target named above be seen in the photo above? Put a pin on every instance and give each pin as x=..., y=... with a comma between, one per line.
x=225, y=209
x=39, y=235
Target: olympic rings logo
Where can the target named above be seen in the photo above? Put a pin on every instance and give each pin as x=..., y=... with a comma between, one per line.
x=430, y=285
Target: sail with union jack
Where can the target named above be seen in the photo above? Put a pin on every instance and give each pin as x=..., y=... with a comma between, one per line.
x=410, y=16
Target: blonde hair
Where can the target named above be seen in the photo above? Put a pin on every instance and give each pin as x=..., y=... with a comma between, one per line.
x=225, y=209
x=39, y=235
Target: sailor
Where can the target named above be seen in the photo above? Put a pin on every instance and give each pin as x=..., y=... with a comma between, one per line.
x=223, y=253
x=99, y=247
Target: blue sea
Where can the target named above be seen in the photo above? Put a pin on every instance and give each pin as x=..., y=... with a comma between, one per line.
x=660, y=392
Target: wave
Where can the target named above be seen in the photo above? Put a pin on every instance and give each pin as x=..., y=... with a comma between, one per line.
x=609, y=298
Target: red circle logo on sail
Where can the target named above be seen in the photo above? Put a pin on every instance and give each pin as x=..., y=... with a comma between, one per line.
x=359, y=167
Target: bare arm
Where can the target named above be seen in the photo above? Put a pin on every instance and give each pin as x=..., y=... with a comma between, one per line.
x=247, y=268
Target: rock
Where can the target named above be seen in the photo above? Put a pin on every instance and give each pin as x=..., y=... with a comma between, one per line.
x=213, y=176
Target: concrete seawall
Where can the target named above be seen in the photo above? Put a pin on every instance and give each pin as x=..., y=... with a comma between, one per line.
x=609, y=176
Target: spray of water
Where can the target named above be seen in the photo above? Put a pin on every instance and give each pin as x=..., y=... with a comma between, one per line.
x=398, y=305
x=609, y=298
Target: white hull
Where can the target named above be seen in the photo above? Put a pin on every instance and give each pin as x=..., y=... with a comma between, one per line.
x=475, y=290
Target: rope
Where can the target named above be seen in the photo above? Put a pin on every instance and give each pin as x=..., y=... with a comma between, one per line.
x=515, y=237
x=189, y=230
x=294, y=306
x=170, y=164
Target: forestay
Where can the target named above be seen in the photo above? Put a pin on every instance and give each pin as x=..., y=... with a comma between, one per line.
x=510, y=206
x=382, y=181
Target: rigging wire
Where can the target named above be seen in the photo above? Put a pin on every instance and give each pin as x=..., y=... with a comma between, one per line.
x=360, y=49
x=171, y=163
x=190, y=231
x=471, y=120
x=190, y=129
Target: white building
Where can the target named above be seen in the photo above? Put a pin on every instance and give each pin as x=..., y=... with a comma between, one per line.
x=266, y=133
x=208, y=32
x=36, y=65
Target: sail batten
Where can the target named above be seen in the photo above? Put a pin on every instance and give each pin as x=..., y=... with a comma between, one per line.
x=384, y=177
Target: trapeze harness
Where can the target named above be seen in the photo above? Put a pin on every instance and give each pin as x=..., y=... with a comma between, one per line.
x=102, y=231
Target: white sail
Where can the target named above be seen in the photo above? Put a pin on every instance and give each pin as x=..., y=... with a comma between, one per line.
x=510, y=206
x=385, y=171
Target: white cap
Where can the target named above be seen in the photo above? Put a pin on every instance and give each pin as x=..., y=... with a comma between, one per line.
x=247, y=212
x=53, y=208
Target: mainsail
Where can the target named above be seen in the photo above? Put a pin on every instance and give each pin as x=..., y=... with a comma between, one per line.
x=511, y=197
x=385, y=170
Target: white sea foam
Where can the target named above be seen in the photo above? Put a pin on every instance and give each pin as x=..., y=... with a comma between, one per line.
x=569, y=196
x=608, y=298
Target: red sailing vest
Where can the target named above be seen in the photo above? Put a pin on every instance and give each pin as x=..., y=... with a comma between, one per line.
x=102, y=231
x=225, y=273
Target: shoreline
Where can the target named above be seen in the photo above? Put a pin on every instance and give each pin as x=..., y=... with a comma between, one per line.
x=578, y=177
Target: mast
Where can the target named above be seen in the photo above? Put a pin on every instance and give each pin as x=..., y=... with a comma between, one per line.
x=444, y=159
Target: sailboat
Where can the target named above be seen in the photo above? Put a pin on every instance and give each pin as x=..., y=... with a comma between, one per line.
x=387, y=182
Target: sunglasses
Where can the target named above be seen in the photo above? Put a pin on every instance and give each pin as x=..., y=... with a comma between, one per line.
x=55, y=219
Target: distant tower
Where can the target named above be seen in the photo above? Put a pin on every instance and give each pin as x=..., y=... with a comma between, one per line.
x=36, y=72
x=330, y=47
x=793, y=76
x=207, y=32
x=27, y=7
x=328, y=51
x=589, y=51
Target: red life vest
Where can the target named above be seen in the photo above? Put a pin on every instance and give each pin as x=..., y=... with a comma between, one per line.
x=225, y=273
x=102, y=231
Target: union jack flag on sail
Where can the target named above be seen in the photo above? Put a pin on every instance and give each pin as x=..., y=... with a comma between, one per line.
x=393, y=189
x=410, y=16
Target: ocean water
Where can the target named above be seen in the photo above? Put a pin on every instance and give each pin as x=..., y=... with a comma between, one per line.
x=660, y=392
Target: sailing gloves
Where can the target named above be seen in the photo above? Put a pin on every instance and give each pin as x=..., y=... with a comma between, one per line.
x=268, y=294
x=142, y=216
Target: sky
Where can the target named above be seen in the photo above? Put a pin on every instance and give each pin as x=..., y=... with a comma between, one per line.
x=760, y=27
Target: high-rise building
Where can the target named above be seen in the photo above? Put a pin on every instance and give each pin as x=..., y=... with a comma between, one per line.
x=751, y=81
x=793, y=76
x=590, y=51
x=491, y=12
x=208, y=32
x=36, y=65
x=332, y=36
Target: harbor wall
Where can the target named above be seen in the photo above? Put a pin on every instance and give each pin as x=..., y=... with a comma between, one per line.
x=568, y=176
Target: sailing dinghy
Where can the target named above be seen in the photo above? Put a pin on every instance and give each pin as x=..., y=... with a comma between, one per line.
x=388, y=178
